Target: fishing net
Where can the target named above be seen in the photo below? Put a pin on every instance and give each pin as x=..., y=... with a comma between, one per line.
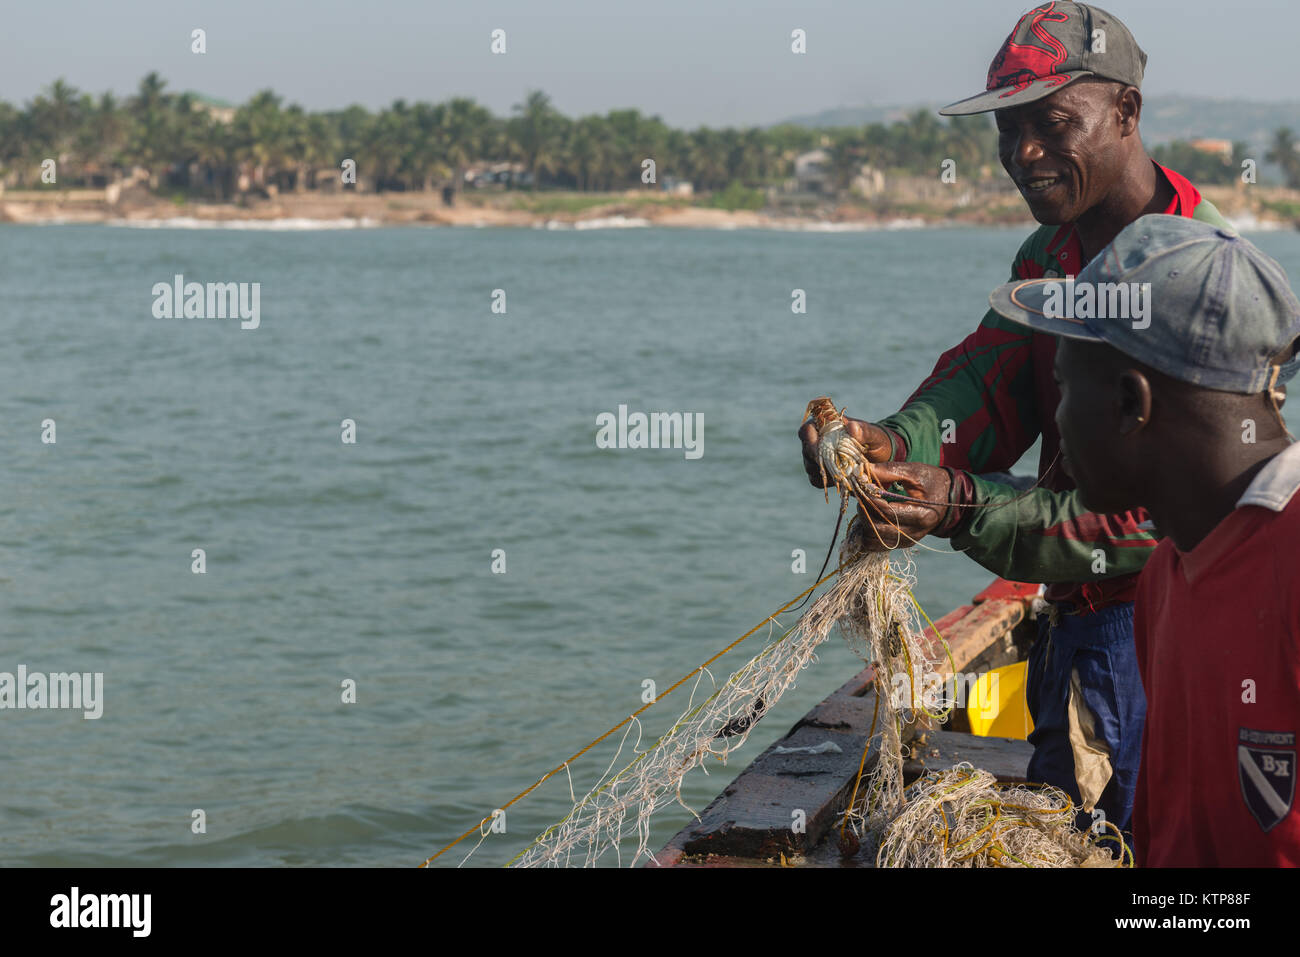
x=963, y=817
x=960, y=817
x=624, y=803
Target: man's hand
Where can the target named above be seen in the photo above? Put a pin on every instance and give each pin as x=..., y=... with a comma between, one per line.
x=873, y=439
x=894, y=523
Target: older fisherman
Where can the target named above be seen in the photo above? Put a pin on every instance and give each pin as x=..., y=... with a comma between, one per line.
x=1064, y=88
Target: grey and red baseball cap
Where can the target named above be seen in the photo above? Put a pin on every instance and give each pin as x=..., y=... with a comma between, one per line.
x=1051, y=46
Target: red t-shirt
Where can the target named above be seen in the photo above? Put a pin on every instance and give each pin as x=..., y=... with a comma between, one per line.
x=1218, y=645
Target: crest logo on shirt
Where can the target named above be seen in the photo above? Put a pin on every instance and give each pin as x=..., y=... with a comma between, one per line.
x=1266, y=768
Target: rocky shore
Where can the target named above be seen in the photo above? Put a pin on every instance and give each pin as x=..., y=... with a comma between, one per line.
x=1252, y=208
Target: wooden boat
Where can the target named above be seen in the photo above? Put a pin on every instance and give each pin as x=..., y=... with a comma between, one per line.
x=750, y=823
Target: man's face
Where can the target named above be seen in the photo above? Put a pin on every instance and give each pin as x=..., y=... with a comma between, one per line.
x=1064, y=151
x=1088, y=418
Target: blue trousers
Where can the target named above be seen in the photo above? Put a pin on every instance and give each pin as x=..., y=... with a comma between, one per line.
x=1100, y=646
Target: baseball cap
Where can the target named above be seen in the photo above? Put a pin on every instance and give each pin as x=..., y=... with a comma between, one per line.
x=1052, y=45
x=1215, y=311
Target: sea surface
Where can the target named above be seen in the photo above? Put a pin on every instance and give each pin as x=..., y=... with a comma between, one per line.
x=329, y=563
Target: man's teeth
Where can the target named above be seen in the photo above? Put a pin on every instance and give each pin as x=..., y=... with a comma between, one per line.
x=1037, y=184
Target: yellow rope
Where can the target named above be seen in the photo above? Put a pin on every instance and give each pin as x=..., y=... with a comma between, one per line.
x=875, y=711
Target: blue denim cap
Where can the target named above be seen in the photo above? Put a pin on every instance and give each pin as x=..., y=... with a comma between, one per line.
x=1187, y=298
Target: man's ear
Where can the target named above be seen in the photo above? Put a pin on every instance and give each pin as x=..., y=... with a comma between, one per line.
x=1134, y=401
x=1130, y=109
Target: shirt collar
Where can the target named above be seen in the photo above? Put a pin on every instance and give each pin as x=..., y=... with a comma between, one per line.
x=1276, y=483
x=1186, y=196
x=1068, y=251
x=1272, y=488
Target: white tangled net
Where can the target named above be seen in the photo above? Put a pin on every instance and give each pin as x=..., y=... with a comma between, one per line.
x=955, y=818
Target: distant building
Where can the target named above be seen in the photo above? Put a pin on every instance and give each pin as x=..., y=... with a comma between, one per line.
x=219, y=110
x=812, y=172
x=678, y=187
x=1221, y=148
x=869, y=183
x=486, y=175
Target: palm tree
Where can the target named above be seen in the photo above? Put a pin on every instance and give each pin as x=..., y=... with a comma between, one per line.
x=707, y=160
x=12, y=136
x=148, y=142
x=587, y=152
x=468, y=131
x=1284, y=153
x=970, y=140
x=322, y=147
x=258, y=131
x=848, y=152
x=352, y=137
x=53, y=120
x=534, y=133
x=102, y=137
x=389, y=150
x=298, y=148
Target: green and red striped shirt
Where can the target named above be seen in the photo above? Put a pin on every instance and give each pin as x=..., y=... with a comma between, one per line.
x=997, y=388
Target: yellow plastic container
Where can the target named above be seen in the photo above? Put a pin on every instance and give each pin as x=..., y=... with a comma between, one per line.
x=998, y=707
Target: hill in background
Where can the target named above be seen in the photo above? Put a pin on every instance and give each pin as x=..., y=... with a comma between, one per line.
x=1164, y=118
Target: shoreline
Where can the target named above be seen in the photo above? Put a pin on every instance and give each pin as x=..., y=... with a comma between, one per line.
x=1253, y=211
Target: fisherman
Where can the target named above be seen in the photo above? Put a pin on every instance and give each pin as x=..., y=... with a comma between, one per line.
x=1065, y=91
x=1181, y=418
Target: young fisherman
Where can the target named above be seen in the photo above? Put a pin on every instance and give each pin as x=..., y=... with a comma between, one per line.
x=1177, y=413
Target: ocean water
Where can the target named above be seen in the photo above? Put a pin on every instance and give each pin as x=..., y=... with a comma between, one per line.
x=372, y=562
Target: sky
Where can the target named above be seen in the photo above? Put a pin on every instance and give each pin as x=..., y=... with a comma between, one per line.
x=691, y=62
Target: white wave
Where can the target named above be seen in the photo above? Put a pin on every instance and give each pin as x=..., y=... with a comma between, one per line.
x=822, y=227
x=861, y=226
x=1247, y=223
x=598, y=222
x=297, y=224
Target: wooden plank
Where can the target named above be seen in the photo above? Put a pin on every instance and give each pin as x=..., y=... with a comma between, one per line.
x=1005, y=758
x=973, y=633
x=755, y=816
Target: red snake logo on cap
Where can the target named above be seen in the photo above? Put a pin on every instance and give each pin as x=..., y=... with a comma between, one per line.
x=1023, y=63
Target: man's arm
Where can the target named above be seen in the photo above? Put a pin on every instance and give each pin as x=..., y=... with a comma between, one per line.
x=1038, y=535
x=1047, y=536
x=980, y=397
x=978, y=409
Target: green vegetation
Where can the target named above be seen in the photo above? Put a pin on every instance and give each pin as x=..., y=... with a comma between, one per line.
x=181, y=144
x=565, y=202
x=738, y=196
x=1287, y=209
x=1200, y=166
x=1283, y=151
